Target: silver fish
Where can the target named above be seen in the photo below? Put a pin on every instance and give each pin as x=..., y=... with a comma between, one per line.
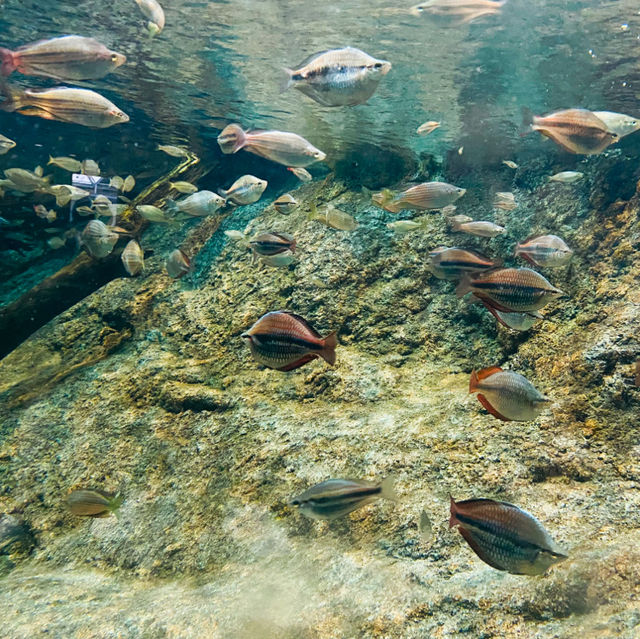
x=619, y=123
x=98, y=239
x=285, y=204
x=199, y=204
x=6, y=145
x=133, y=258
x=480, y=228
x=178, y=264
x=567, y=177
x=245, y=190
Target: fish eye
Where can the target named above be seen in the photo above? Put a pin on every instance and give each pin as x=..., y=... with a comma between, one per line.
x=377, y=65
x=114, y=57
x=295, y=502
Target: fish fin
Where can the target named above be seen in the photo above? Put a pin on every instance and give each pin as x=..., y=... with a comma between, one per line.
x=328, y=353
x=468, y=537
x=453, y=510
x=7, y=62
x=492, y=309
x=464, y=286
x=39, y=171
x=115, y=503
x=536, y=314
x=527, y=121
x=298, y=363
x=12, y=97
x=485, y=402
x=287, y=79
x=387, y=491
x=223, y=193
x=172, y=207
x=478, y=376
x=528, y=258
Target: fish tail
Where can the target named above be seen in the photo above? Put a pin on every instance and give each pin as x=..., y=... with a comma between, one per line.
x=115, y=503
x=464, y=286
x=237, y=138
x=12, y=96
x=453, y=519
x=387, y=491
x=223, y=193
x=287, y=79
x=473, y=381
x=172, y=207
x=7, y=62
x=527, y=121
x=384, y=200
x=328, y=353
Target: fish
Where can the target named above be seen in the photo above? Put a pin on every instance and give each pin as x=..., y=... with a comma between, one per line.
x=128, y=184
x=173, y=151
x=39, y=171
x=70, y=57
x=282, y=147
x=178, y=264
x=152, y=10
x=285, y=341
x=280, y=260
x=577, y=131
x=452, y=263
x=334, y=218
x=302, y=174
x=98, y=239
x=504, y=536
x=92, y=502
x=90, y=167
x=505, y=201
x=154, y=214
x=273, y=243
x=427, y=196
x=65, y=193
x=461, y=11
x=510, y=163
x=43, y=213
x=338, y=77
x=450, y=210
x=56, y=242
x=480, y=228
x=618, y=123
x=68, y=164
x=84, y=210
x=103, y=206
x=65, y=104
x=567, y=177
x=425, y=527
x=507, y=395
x=183, y=187
x=544, y=250
x=285, y=204
x=513, y=320
x=427, y=127
x=405, y=226
x=116, y=182
x=6, y=144
x=236, y=236
x=245, y=190
x=336, y=498
x=199, y=204
x=132, y=258
x=510, y=289
x=26, y=181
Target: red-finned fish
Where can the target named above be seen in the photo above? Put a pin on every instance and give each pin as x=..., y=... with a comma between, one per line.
x=273, y=243
x=338, y=497
x=504, y=536
x=544, y=250
x=302, y=174
x=285, y=341
x=428, y=196
x=515, y=321
x=462, y=11
x=575, y=130
x=78, y=106
x=510, y=289
x=70, y=57
x=289, y=149
x=451, y=263
x=507, y=395
x=339, y=77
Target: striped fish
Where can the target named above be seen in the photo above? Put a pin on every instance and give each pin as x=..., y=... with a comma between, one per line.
x=510, y=289
x=459, y=11
x=428, y=196
x=514, y=321
x=507, y=395
x=338, y=497
x=452, y=263
x=504, y=536
x=93, y=502
x=285, y=341
x=544, y=250
x=273, y=243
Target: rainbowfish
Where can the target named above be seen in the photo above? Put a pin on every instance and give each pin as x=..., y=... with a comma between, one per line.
x=68, y=164
x=285, y=204
x=464, y=10
x=336, y=498
x=282, y=147
x=154, y=12
x=514, y=320
x=510, y=163
x=510, y=289
x=480, y=228
x=504, y=536
x=422, y=197
x=452, y=263
x=92, y=502
x=98, y=239
x=333, y=217
x=70, y=57
x=544, y=250
x=338, y=77
x=178, y=264
x=78, y=106
x=198, y=204
x=90, y=167
x=245, y=190
x=43, y=213
x=273, y=243
x=505, y=201
x=116, y=182
x=427, y=127
x=132, y=258
x=567, y=177
x=507, y=395
x=575, y=130
x=6, y=144
x=183, y=187
x=302, y=174
x=278, y=261
x=173, y=151
x=618, y=123
x=405, y=226
x=285, y=341
x=154, y=214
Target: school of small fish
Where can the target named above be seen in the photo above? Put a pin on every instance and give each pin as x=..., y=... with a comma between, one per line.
x=501, y=534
